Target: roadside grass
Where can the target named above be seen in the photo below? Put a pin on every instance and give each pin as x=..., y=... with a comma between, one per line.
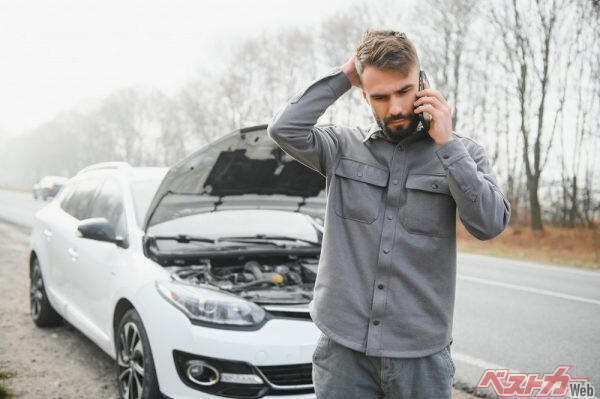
x=578, y=247
x=5, y=393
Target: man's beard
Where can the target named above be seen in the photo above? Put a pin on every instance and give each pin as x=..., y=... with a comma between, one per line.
x=398, y=132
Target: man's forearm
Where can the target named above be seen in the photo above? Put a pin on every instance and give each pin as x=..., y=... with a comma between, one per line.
x=293, y=128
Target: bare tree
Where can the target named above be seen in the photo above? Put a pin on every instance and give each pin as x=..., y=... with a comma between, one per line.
x=443, y=52
x=530, y=33
x=131, y=117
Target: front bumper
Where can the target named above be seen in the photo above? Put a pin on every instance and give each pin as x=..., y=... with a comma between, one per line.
x=279, y=342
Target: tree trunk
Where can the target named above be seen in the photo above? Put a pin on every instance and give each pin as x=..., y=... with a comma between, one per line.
x=536, y=210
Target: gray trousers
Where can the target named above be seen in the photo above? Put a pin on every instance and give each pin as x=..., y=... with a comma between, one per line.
x=343, y=373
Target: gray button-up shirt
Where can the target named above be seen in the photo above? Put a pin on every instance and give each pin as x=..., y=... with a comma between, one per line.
x=387, y=272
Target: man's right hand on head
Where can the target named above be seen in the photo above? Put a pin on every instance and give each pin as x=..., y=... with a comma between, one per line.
x=349, y=68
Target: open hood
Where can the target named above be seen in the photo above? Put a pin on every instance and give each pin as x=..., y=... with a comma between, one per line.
x=243, y=170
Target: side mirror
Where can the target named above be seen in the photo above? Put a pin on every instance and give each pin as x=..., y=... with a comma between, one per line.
x=100, y=230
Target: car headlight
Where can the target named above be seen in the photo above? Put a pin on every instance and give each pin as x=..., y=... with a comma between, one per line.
x=211, y=306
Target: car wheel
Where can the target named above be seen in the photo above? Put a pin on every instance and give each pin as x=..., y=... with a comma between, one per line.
x=136, y=375
x=42, y=312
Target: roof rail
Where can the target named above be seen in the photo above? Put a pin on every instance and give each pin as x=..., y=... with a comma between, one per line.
x=104, y=166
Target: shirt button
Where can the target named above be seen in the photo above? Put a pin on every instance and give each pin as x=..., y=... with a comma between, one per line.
x=380, y=286
x=434, y=186
x=376, y=322
x=445, y=156
x=390, y=217
x=395, y=181
x=386, y=250
x=359, y=174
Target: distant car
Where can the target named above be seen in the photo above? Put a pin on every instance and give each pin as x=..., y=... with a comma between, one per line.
x=196, y=281
x=48, y=187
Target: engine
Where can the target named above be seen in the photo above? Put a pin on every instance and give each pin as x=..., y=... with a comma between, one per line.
x=260, y=282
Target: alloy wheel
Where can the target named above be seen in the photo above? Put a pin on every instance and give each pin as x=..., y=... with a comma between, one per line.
x=130, y=361
x=36, y=292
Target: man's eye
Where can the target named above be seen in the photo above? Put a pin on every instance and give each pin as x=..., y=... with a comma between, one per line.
x=378, y=98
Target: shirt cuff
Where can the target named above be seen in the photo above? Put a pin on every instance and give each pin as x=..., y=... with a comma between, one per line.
x=335, y=79
x=451, y=152
x=339, y=82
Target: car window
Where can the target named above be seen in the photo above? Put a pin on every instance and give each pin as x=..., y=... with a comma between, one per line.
x=78, y=203
x=65, y=201
x=64, y=195
x=109, y=205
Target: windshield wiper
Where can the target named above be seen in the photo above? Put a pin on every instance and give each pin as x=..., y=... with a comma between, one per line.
x=186, y=239
x=267, y=238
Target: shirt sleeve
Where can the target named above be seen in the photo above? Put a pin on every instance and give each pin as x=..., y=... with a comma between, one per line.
x=293, y=128
x=483, y=209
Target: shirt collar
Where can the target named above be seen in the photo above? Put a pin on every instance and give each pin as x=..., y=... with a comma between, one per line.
x=375, y=132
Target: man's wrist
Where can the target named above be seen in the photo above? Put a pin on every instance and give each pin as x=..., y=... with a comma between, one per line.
x=349, y=69
x=444, y=141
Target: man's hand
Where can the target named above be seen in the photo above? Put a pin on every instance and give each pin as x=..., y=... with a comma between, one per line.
x=435, y=104
x=349, y=68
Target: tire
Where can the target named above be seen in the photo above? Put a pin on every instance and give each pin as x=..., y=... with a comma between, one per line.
x=135, y=367
x=42, y=312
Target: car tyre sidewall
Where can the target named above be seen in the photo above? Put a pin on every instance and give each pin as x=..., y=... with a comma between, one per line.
x=150, y=384
x=47, y=317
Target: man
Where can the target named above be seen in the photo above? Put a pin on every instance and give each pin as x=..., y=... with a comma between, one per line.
x=384, y=295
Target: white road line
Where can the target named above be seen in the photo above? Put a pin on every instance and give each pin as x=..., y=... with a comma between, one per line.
x=529, y=289
x=521, y=263
x=474, y=361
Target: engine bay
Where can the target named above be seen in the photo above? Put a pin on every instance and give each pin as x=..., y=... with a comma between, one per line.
x=275, y=281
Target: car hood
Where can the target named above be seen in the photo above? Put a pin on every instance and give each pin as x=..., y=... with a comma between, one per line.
x=243, y=170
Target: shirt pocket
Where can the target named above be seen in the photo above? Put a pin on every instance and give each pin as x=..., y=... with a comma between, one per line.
x=430, y=208
x=359, y=190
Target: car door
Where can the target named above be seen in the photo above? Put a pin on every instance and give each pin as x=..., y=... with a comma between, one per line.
x=99, y=261
x=65, y=234
x=48, y=223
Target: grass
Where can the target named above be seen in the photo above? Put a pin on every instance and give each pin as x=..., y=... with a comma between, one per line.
x=577, y=247
x=5, y=393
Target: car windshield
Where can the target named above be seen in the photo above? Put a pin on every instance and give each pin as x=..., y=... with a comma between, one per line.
x=143, y=191
x=242, y=224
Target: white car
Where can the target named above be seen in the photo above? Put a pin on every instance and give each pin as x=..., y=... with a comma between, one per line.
x=196, y=280
x=48, y=187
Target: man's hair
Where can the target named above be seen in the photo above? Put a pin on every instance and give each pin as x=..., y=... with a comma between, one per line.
x=385, y=49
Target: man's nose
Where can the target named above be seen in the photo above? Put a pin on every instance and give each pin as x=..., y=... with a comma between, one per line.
x=395, y=106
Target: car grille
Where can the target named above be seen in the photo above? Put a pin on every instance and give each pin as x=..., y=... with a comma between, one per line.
x=291, y=315
x=288, y=375
x=288, y=312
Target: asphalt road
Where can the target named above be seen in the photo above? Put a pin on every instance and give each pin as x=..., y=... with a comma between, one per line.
x=522, y=316
x=19, y=208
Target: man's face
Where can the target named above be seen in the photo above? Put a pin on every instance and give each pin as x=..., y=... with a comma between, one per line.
x=391, y=95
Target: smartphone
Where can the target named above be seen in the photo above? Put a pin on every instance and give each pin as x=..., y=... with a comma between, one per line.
x=424, y=117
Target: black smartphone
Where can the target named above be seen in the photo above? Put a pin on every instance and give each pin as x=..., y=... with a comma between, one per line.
x=424, y=117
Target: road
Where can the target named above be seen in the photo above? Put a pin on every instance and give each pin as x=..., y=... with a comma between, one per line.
x=522, y=316
x=18, y=207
